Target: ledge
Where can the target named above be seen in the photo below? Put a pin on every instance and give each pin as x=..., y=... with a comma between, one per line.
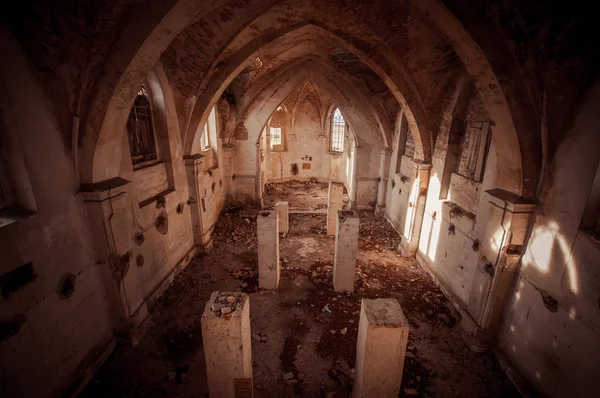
x=154, y=198
x=148, y=165
x=13, y=214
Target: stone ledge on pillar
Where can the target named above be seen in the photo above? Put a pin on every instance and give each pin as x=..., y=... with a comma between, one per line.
x=227, y=343
x=346, y=250
x=267, y=230
x=380, y=349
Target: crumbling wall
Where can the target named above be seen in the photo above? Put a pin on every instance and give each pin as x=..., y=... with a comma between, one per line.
x=551, y=333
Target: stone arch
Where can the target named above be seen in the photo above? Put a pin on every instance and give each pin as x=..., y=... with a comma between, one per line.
x=143, y=42
x=112, y=104
x=336, y=81
x=390, y=73
x=369, y=146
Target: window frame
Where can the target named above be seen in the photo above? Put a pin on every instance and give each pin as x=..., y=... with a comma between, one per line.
x=480, y=151
x=149, y=158
x=271, y=131
x=334, y=133
x=205, y=138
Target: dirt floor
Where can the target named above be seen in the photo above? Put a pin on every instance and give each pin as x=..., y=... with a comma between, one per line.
x=304, y=327
x=301, y=195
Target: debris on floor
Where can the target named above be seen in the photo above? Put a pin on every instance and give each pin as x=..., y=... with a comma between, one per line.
x=294, y=351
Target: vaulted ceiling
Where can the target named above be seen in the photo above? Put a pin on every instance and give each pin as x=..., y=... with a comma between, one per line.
x=530, y=61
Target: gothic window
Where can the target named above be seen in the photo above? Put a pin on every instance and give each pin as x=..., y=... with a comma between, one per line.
x=275, y=136
x=474, y=149
x=338, y=131
x=403, y=141
x=140, y=130
x=276, y=129
x=204, y=138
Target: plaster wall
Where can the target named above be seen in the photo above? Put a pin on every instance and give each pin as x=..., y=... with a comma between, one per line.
x=460, y=234
x=157, y=190
x=555, y=347
x=53, y=338
x=307, y=145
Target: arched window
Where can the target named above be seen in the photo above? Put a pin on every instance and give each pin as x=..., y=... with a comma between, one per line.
x=140, y=130
x=276, y=129
x=338, y=131
x=204, y=138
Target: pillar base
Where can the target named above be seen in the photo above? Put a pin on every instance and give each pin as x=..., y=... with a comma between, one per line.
x=379, y=210
x=131, y=331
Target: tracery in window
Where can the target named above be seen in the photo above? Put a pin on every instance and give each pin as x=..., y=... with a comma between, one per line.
x=140, y=129
x=338, y=131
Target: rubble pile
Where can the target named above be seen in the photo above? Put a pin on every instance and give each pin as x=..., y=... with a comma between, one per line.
x=237, y=226
x=322, y=272
x=226, y=303
x=376, y=233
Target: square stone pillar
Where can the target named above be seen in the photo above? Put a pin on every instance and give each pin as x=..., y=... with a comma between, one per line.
x=380, y=349
x=227, y=343
x=504, y=239
x=194, y=166
x=346, y=249
x=384, y=172
x=228, y=153
x=418, y=196
x=334, y=204
x=268, y=249
x=110, y=213
x=283, y=211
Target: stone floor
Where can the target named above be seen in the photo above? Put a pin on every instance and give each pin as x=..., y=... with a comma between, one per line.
x=303, y=327
x=301, y=195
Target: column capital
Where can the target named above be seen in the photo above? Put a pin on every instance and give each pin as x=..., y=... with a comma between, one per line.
x=192, y=160
x=513, y=202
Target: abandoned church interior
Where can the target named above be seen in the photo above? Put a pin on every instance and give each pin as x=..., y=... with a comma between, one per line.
x=281, y=198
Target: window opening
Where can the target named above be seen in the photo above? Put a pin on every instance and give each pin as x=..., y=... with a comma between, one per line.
x=140, y=129
x=338, y=131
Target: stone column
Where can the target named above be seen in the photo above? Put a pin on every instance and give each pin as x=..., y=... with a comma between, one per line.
x=194, y=166
x=228, y=151
x=418, y=196
x=507, y=226
x=334, y=204
x=384, y=172
x=346, y=249
x=227, y=343
x=268, y=249
x=380, y=349
x=282, y=209
x=110, y=214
